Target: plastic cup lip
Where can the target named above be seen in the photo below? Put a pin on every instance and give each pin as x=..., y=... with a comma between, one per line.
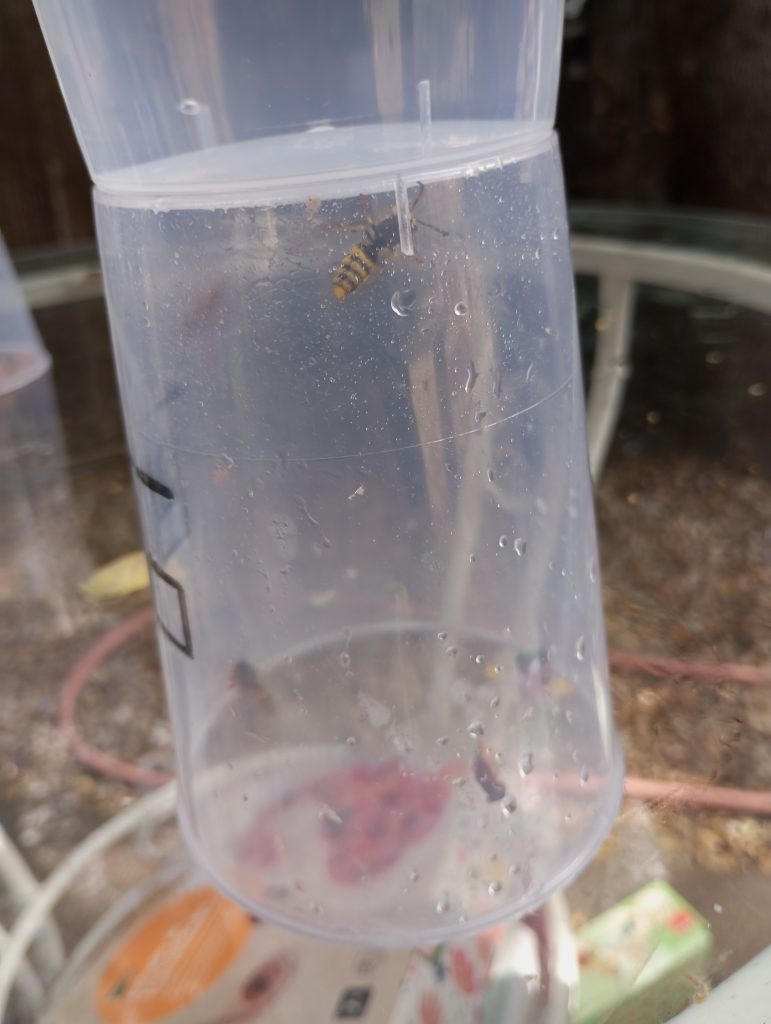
x=147, y=186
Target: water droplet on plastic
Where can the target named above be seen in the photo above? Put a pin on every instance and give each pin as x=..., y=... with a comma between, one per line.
x=451, y=651
x=443, y=905
x=526, y=763
x=503, y=541
x=509, y=807
x=479, y=415
x=537, y=254
x=460, y=309
x=490, y=476
x=555, y=235
x=472, y=558
x=479, y=659
x=442, y=741
x=414, y=875
x=402, y=301
x=496, y=700
x=476, y=729
x=580, y=648
x=593, y=571
x=190, y=107
x=441, y=636
x=494, y=887
x=471, y=378
x=520, y=546
x=584, y=776
x=329, y=817
x=497, y=669
x=345, y=659
x=757, y=390
x=529, y=373
x=351, y=741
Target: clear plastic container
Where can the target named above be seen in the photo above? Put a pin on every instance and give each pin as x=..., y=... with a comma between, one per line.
x=41, y=550
x=349, y=366
x=156, y=79
x=23, y=357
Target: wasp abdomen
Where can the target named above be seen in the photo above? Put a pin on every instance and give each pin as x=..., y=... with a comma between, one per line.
x=357, y=265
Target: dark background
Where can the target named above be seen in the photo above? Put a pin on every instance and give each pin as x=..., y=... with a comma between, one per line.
x=662, y=102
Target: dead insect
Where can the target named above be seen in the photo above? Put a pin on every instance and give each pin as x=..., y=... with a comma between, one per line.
x=361, y=259
x=244, y=678
x=488, y=778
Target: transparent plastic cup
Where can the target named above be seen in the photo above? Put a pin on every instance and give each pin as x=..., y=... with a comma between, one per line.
x=23, y=358
x=41, y=551
x=348, y=359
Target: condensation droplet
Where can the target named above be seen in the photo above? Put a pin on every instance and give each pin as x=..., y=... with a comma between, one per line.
x=509, y=807
x=189, y=107
x=351, y=741
x=584, y=776
x=345, y=659
x=494, y=887
x=476, y=729
x=526, y=763
x=472, y=558
x=402, y=301
x=442, y=635
x=443, y=905
x=479, y=415
x=414, y=875
x=451, y=651
x=442, y=741
x=471, y=378
x=460, y=309
x=580, y=648
x=593, y=571
x=479, y=659
x=490, y=476
x=329, y=817
x=520, y=546
x=503, y=541
x=496, y=700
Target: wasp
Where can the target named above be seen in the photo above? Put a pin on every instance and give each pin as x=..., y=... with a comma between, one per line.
x=381, y=236
x=487, y=777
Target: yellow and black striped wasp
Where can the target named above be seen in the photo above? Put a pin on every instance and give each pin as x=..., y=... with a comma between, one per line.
x=381, y=236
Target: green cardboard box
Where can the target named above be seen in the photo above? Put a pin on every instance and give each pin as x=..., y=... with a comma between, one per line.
x=641, y=961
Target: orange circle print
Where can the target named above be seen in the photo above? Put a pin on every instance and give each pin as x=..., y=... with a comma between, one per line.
x=173, y=958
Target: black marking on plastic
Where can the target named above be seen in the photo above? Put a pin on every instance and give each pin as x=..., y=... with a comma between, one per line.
x=186, y=643
x=154, y=485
